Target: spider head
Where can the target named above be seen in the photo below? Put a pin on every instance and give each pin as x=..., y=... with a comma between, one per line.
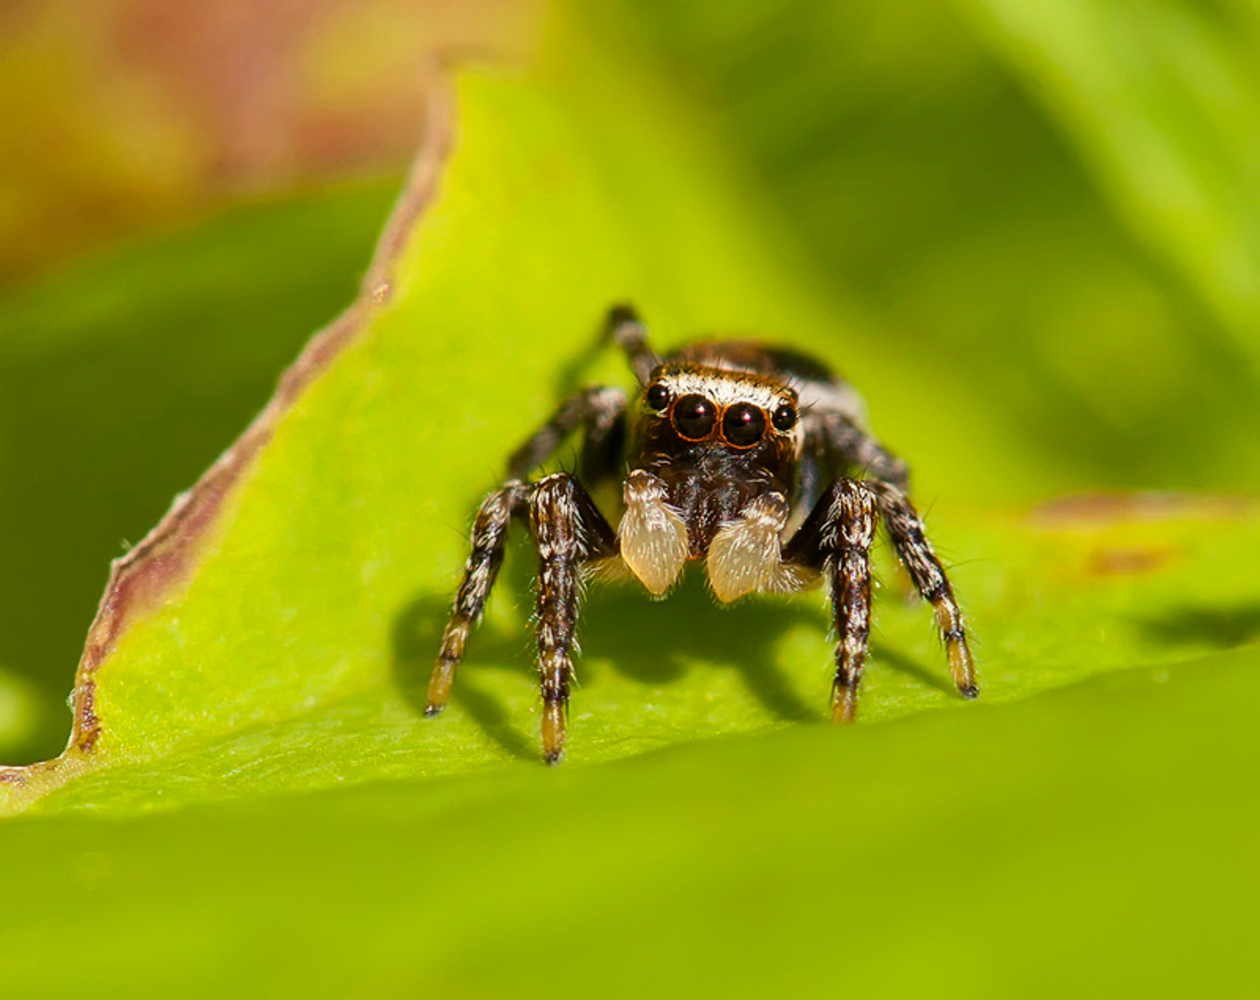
x=714, y=438
x=702, y=411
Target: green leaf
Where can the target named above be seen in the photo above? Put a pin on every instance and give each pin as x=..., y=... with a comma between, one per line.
x=273, y=638
x=1092, y=842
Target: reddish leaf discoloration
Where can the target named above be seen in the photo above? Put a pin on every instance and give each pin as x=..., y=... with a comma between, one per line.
x=1129, y=560
x=1086, y=510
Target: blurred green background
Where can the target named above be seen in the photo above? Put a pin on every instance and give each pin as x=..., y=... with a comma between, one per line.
x=1037, y=224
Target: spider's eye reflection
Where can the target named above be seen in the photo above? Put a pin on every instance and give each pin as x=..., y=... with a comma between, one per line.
x=784, y=418
x=694, y=416
x=743, y=424
x=657, y=397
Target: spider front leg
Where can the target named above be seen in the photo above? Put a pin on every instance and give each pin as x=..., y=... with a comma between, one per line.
x=835, y=442
x=836, y=537
x=568, y=531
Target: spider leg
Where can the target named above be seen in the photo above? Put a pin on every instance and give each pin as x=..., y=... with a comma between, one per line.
x=836, y=537
x=909, y=538
x=625, y=329
x=489, y=536
x=835, y=438
x=601, y=409
x=837, y=444
x=852, y=447
x=568, y=531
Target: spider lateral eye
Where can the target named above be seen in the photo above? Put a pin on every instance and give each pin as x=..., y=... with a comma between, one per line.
x=658, y=396
x=694, y=416
x=784, y=418
x=743, y=424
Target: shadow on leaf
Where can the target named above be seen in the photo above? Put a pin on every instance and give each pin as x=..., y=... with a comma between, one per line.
x=415, y=637
x=1223, y=628
x=653, y=641
x=650, y=642
x=886, y=656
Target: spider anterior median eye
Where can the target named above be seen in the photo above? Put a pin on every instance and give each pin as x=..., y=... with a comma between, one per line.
x=784, y=418
x=694, y=416
x=743, y=424
x=657, y=397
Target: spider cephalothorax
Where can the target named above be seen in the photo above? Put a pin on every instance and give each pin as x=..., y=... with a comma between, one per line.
x=733, y=453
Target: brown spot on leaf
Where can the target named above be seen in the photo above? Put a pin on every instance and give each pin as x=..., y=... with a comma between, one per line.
x=1097, y=510
x=1128, y=560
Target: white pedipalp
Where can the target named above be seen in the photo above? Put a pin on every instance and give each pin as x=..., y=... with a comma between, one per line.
x=745, y=554
x=652, y=535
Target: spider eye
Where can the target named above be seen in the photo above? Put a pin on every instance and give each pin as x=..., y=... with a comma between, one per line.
x=784, y=418
x=694, y=416
x=743, y=425
x=657, y=396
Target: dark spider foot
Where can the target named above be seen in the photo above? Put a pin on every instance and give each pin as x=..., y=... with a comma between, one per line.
x=970, y=692
x=433, y=711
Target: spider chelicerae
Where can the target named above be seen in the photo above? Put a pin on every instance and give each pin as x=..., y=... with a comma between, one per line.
x=734, y=453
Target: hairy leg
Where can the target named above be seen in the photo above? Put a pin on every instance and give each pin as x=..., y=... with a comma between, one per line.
x=848, y=447
x=489, y=536
x=597, y=408
x=836, y=539
x=909, y=538
x=568, y=531
x=849, y=579
x=626, y=330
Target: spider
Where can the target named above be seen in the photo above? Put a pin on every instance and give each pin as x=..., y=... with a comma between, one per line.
x=736, y=454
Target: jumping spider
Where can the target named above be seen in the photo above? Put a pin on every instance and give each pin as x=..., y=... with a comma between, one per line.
x=727, y=444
